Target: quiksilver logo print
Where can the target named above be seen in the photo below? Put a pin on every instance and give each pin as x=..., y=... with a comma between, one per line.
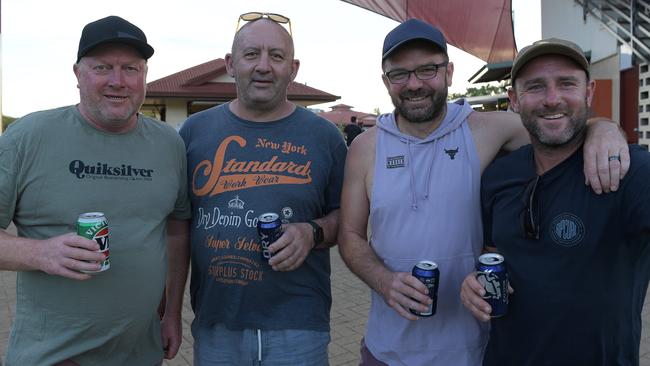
x=100, y=170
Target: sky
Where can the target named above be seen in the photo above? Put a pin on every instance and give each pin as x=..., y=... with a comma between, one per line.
x=338, y=44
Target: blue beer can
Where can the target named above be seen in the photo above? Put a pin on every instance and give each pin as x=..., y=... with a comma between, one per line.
x=491, y=273
x=269, y=228
x=428, y=273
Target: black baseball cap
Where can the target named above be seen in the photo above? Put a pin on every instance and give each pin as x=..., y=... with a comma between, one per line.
x=411, y=30
x=113, y=29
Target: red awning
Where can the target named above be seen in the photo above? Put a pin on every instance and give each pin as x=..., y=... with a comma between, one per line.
x=482, y=28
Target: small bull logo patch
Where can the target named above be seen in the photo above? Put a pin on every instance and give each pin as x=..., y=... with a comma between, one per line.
x=452, y=153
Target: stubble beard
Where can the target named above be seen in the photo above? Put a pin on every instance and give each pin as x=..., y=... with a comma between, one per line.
x=573, y=133
x=421, y=115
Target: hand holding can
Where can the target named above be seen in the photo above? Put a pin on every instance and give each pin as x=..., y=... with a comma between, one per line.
x=491, y=273
x=269, y=228
x=94, y=226
x=428, y=273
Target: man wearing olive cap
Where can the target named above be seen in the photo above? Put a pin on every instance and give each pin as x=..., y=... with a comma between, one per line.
x=411, y=193
x=99, y=155
x=578, y=262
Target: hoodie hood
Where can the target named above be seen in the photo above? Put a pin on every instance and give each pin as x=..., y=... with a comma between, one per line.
x=455, y=116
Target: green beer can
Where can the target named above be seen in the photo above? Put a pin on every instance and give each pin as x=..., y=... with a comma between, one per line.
x=94, y=226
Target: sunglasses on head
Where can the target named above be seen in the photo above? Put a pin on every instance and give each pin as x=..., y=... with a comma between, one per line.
x=530, y=214
x=255, y=15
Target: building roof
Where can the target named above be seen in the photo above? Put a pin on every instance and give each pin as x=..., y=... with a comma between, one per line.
x=210, y=81
x=341, y=114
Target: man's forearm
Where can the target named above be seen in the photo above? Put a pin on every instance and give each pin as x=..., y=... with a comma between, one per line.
x=16, y=254
x=330, y=225
x=363, y=262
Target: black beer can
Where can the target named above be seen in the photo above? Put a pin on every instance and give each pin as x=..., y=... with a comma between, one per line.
x=491, y=273
x=428, y=273
x=269, y=228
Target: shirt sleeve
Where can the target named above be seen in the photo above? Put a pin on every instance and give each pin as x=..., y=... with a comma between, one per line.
x=335, y=181
x=8, y=179
x=182, y=207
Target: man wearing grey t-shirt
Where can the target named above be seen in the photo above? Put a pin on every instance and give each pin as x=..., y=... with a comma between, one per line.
x=99, y=155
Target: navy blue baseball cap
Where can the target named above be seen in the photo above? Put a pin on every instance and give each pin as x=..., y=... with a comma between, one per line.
x=411, y=30
x=113, y=29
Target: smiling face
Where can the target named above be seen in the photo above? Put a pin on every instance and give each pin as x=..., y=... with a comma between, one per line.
x=262, y=64
x=112, y=84
x=418, y=101
x=552, y=95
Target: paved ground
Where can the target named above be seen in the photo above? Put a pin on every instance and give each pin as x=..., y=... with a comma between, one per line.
x=349, y=311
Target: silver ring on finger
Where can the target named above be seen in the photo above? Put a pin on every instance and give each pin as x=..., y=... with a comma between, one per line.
x=614, y=157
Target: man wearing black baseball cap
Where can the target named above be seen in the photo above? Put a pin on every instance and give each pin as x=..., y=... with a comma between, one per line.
x=100, y=155
x=414, y=180
x=577, y=261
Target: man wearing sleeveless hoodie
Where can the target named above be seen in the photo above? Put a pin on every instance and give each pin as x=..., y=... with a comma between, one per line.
x=411, y=193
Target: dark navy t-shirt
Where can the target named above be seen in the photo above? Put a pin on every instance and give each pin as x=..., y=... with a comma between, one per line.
x=239, y=170
x=579, y=288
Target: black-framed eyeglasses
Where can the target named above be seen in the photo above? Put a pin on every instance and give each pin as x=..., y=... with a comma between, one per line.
x=425, y=72
x=530, y=214
x=255, y=15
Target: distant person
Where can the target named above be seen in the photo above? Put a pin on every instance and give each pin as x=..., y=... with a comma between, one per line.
x=578, y=262
x=411, y=193
x=262, y=153
x=99, y=155
x=352, y=130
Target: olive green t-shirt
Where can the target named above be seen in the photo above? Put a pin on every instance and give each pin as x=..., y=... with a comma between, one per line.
x=54, y=165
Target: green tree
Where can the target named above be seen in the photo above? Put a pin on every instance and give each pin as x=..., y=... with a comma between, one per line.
x=6, y=121
x=486, y=89
x=376, y=111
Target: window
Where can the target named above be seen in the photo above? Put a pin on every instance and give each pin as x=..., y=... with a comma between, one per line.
x=644, y=146
x=644, y=121
x=644, y=68
x=644, y=95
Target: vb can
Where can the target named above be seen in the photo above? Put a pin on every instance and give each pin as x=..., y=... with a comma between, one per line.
x=269, y=228
x=428, y=273
x=94, y=226
x=491, y=273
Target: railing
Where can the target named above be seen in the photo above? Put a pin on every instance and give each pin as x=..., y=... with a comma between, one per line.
x=627, y=20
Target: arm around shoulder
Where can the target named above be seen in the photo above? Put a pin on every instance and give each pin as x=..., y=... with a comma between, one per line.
x=495, y=131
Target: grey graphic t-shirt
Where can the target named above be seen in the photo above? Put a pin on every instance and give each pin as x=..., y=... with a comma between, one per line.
x=237, y=171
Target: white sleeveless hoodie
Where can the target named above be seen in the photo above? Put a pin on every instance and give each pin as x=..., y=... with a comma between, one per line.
x=426, y=206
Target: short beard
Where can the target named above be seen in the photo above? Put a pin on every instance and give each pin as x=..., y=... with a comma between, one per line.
x=421, y=115
x=574, y=132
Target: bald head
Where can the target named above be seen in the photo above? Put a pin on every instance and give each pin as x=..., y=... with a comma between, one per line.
x=254, y=29
x=262, y=65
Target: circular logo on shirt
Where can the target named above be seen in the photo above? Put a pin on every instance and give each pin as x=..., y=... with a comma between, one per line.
x=287, y=213
x=567, y=229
